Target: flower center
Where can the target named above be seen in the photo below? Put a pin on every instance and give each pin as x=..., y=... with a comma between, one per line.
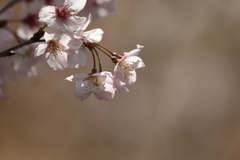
x=95, y=84
x=54, y=46
x=127, y=68
x=64, y=11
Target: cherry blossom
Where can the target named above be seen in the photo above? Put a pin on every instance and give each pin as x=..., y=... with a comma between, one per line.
x=64, y=17
x=60, y=48
x=59, y=35
x=88, y=37
x=125, y=67
x=92, y=36
x=100, y=84
x=2, y=96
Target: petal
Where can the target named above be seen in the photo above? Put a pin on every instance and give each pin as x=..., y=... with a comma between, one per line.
x=76, y=5
x=131, y=77
x=86, y=23
x=48, y=15
x=107, y=94
x=52, y=62
x=72, y=23
x=77, y=59
x=80, y=90
x=94, y=35
x=61, y=58
x=135, y=52
x=120, y=86
x=41, y=49
x=82, y=53
x=75, y=43
x=77, y=77
x=138, y=63
x=50, y=33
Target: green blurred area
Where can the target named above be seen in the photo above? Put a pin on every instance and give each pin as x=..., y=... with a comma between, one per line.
x=184, y=105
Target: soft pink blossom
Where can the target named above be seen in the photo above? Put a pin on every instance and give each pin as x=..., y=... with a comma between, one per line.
x=64, y=17
x=91, y=36
x=125, y=67
x=60, y=49
x=100, y=84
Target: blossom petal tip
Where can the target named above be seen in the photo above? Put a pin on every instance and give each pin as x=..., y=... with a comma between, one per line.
x=139, y=46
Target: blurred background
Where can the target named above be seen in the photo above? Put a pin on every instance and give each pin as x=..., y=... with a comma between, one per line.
x=184, y=105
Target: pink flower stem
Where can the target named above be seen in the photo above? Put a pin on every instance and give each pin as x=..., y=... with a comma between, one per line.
x=99, y=60
x=100, y=46
x=103, y=51
x=94, y=70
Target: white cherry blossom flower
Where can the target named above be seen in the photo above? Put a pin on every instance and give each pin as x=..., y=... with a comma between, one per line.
x=92, y=36
x=100, y=84
x=60, y=48
x=64, y=17
x=2, y=96
x=125, y=67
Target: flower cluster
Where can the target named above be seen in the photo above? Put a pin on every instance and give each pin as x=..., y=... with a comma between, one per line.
x=65, y=43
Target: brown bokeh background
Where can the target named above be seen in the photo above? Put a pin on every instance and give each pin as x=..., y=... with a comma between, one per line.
x=184, y=105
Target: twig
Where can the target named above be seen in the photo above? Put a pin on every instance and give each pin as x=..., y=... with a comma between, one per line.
x=8, y=52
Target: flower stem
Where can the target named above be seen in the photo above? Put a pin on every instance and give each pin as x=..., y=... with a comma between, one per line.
x=99, y=60
x=94, y=70
x=34, y=39
x=102, y=47
x=103, y=51
x=8, y=5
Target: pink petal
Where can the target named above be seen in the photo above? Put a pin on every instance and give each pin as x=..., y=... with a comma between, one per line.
x=138, y=63
x=76, y=5
x=77, y=77
x=94, y=35
x=48, y=15
x=41, y=49
x=80, y=90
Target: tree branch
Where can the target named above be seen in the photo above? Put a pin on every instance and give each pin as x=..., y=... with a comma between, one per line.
x=9, y=52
